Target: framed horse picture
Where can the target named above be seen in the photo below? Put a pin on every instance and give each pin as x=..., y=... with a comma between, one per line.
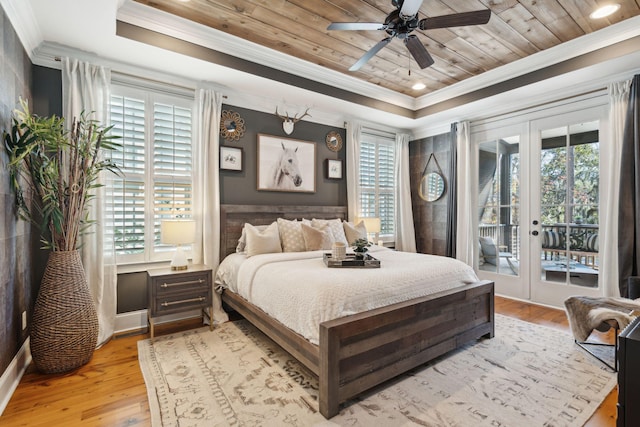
x=286, y=164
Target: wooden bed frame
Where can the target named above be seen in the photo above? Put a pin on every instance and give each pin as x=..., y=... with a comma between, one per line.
x=360, y=351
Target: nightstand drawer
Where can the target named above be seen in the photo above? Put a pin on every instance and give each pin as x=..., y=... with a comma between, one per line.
x=176, y=284
x=183, y=301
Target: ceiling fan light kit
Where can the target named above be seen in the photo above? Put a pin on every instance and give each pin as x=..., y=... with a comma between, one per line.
x=402, y=21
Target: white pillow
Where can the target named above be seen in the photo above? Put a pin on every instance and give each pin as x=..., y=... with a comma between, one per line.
x=336, y=228
x=317, y=238
x=291, y=235
x=266, y=241
x=354, y=232
x=242, y=241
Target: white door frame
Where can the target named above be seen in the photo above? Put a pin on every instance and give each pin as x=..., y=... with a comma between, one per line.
x=522, y=285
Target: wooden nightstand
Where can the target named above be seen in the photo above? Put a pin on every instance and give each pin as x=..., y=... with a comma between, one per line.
x=172, y=291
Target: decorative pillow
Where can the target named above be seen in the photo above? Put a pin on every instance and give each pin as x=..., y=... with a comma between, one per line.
x=317, y=238
x=552, y=239
x=489, y=250
x=291, y=235
x=242, y=241
x=336, y=228
x=591, y=243
x=266, y=241
x=354, y=232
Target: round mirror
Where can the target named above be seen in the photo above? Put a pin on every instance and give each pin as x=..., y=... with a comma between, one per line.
x=334, y=141
x=431, y=187
x=231, y=125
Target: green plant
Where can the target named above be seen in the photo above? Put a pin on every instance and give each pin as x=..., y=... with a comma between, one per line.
x=53, y=172
x=360, y=245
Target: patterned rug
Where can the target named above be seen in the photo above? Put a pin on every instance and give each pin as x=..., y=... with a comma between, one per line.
x=528, y=375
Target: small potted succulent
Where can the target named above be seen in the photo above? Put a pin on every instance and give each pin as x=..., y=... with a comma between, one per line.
x=360, y=247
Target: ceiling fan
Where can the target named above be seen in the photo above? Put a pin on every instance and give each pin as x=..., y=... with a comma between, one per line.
x=402, y=21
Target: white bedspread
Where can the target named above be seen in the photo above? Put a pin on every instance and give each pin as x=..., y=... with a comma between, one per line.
x=300, y=291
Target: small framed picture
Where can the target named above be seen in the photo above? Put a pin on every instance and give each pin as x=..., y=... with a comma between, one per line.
x=334, y=169
x=231, y=158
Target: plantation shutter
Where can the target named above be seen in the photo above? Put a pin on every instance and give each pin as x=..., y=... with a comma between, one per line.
x=156, y=171
x=128, y=190
x=171, y=165
x=377, y=180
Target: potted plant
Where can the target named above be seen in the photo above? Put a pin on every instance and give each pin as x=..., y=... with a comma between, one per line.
x=360, y=247
x=52, y=172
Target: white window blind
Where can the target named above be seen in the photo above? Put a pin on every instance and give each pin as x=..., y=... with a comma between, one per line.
x=156, y=173
x=377, y=180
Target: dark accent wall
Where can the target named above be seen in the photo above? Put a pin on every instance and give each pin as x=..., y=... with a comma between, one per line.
x=17, y=282
x=241, y=187
x=430, y=218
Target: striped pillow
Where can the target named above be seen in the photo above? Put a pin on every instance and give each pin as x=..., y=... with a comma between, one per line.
x=552, y=239
x=591, y=243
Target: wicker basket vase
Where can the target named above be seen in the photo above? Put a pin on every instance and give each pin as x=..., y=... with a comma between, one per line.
x=64, y=330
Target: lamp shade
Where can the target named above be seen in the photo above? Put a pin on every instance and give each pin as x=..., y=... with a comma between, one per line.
x=371, y=224
x=177, y=231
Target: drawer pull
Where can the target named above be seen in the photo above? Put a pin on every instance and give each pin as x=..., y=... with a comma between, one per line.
x=189, y=282
x=184, y=301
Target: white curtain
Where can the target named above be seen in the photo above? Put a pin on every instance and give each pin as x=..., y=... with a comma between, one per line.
x=206, y=186
x=465, y=247
x=618, y=99
x=354, y=131
x=405, y=238
x=85, y=88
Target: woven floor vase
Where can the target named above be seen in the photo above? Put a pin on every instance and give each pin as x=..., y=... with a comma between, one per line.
x=64, y=330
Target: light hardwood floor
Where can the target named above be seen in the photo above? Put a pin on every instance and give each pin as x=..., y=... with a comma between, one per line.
x=110, y=391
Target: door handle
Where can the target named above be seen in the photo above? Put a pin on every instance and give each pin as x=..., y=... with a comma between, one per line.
x=534, y=233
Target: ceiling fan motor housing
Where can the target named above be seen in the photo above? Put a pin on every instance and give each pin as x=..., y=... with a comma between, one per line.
x=398, y=27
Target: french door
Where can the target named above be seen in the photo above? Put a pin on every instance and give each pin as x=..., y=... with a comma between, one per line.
x=538, y=206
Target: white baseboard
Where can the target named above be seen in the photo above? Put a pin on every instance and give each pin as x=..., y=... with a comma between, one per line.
x=11, y=377
x=137, y=320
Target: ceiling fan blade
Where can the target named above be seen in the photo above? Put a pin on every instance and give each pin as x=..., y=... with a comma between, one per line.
x=356, y=26
x=410, y=8
x=370, y=54
x=418, y=51
x=477, y=17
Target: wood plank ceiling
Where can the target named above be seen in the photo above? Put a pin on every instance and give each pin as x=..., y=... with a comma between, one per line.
x=517, y=28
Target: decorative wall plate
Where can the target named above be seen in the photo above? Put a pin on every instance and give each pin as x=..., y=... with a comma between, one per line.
x=231, y=125
x=334, y=141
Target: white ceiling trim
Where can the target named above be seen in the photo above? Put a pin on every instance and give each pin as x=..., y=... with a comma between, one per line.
x=554, y=55
x=21, y=15
x=157, y=20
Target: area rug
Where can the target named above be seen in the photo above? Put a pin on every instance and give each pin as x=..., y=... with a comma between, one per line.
x=527, y=375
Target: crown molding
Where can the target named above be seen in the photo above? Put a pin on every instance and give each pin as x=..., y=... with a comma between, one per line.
x=571, y=49
x=162, y=22
x=23, y=19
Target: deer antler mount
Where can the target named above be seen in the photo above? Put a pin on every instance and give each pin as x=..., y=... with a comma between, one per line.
x=288, y=122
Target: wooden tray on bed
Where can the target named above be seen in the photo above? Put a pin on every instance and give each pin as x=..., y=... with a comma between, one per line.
x=351, y=261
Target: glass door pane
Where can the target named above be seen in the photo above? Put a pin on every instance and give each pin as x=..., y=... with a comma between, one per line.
x=499, y=206
x=569, y=201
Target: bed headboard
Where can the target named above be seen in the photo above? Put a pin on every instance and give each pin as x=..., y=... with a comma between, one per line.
x=233, y=217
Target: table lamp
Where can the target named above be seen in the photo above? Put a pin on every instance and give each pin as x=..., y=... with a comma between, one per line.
x=372, y=225
x=178, y=232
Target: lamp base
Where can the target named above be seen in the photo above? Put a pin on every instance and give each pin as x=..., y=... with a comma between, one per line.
x=179, y=261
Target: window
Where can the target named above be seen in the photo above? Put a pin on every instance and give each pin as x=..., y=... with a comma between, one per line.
x=377, y=180
x=156, y=173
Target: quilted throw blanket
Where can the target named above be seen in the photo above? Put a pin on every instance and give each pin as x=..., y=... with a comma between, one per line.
x=300, y=291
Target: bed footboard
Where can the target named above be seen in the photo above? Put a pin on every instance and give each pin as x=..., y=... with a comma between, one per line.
x=363, y=350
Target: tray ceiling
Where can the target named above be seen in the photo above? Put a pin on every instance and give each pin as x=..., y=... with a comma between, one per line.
x=517, y=29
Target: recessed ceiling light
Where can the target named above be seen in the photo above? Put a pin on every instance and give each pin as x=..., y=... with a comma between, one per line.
x=418, y=86
x=605, y=10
